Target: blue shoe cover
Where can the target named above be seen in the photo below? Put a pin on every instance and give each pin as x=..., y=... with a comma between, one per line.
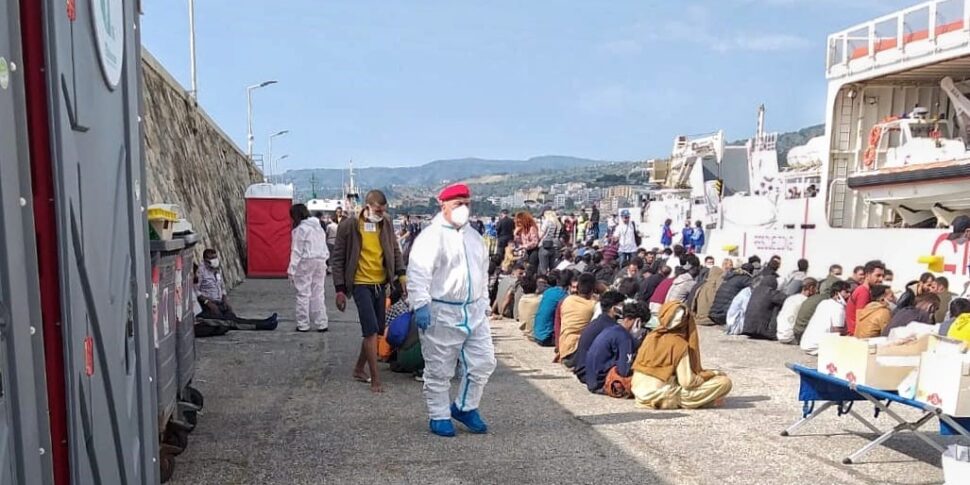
x=442, y=427
x=471, y=419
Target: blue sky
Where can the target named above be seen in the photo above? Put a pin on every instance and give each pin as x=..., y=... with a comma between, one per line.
x=404, y=82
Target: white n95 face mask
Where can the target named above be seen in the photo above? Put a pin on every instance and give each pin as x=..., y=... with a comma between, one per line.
x=214, y=262
x=375, y=219
x=459, y=216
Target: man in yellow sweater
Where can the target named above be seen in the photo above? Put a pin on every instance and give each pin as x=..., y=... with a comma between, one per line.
x=575, y=314
x=366, y=258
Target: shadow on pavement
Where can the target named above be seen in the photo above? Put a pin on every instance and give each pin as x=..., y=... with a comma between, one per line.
x=281, y=408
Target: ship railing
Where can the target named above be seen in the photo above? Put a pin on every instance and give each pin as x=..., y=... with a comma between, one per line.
x=919, y=30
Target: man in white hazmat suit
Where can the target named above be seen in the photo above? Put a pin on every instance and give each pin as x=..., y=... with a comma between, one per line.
x=448, y=290
x=308, y=269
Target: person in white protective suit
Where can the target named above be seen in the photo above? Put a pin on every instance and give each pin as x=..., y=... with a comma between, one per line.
x=308, y=269
x=448, y=289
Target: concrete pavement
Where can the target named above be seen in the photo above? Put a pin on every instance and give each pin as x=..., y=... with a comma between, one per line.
x=281, y=408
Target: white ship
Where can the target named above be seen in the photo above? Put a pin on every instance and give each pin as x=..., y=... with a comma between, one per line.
x=349, y=202
x=888, y=176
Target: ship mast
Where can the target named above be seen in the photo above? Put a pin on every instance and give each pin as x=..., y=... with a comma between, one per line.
x=352, y=194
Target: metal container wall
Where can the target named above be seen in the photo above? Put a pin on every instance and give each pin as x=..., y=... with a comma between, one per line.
x=93, y=95
x=24, y=434
x=165, y=316
x=185, y=346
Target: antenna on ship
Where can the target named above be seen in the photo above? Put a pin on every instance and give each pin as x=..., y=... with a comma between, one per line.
x=761, y=122
x=351, y=189
x=313, y=185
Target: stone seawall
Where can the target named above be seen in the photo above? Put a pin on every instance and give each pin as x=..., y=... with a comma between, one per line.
x=191, y=162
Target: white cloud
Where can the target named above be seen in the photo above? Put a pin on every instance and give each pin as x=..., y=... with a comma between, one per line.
x=696, y=27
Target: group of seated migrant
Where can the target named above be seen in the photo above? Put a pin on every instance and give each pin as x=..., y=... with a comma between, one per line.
x=597, y=316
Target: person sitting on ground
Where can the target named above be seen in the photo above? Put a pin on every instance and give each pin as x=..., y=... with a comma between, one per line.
x=659, y=295
x=567, y=260
x=874, y=271
x=611, y=251
x=916, y=288
x=737, y=311
x=922, y=312
x=667, y=371
x=761, y=314
x=788, y=314
x=733, y=283
x=631, y=270
x=835, y=274
x=543, y=282
x=887, y=278
x=682, y=285
x=958, y=307
x=727, y=265
x=700, y=304
x=505, y=297
x=528, y=305
x=829, y=318
x=651, y=283
x=610, y=308
x=876, y=315
x=793, y=285
x=215, y=304
x=942, y=289
x=576, y=313
x=580, y=263
x=609, y=362
x=544, y=327
x=958, y=326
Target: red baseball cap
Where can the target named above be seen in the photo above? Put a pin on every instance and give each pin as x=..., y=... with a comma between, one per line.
x=454, y=191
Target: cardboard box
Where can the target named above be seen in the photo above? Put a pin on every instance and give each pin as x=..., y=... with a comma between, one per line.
x=871, y=362
x=944, y=377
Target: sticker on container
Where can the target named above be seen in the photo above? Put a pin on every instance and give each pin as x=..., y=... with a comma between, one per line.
x=4, y=73
x=108, y=19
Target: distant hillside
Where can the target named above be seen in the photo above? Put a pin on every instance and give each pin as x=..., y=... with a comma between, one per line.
x=434, y=173
x=787, y=141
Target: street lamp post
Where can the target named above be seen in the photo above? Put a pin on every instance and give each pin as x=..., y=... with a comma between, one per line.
x=249, y=115
x=276, y=165
x=269, y=151
x=195, y=87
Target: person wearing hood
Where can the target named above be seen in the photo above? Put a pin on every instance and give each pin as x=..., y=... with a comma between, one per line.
x=681, y=286
x=761, y=315
x=788, y=314
x=308, y=269
x=704, y=296
x=447, y=287
x=734, y=282
x=922, y=312
x=793, y=284
x=667, y=371
x=876, y=315
x=365, y=259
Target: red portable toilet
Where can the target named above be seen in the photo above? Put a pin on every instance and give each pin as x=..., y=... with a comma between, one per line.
x=268, y=229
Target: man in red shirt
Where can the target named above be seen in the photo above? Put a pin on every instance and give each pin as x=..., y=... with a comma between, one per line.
x=874, y=271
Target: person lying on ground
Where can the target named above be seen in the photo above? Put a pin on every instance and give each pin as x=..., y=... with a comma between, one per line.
x=215, y=304
x=877, y=314
x=609, y=361
x=829, y=317
x=788, y=314
x=922, y=312
x=667, y=371
x=575, y=315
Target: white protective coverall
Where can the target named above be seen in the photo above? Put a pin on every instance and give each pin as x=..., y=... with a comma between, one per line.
x=448, y=270
x=308, y=271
